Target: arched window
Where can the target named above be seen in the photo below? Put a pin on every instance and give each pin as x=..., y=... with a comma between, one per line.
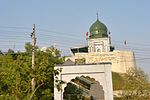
x=98, y=46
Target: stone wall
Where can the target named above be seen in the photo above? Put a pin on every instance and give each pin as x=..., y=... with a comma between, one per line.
x=121, y=60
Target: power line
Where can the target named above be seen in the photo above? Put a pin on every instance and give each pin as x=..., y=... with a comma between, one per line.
x=15, y=27
x=72, y=36
x=130, y=43
x=64, y=34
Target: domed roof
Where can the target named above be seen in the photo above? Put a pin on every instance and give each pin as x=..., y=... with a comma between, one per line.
x=98, y=30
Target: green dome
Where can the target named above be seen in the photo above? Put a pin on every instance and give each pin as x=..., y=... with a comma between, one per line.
x=98, y=30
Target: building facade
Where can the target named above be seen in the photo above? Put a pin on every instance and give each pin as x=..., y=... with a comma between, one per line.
x=94, y=80
x=99, y=50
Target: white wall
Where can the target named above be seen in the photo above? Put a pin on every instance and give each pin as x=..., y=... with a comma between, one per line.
x=100, y=72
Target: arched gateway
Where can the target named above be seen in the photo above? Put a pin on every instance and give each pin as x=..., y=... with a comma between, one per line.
x=84, y=88
x=84, y=81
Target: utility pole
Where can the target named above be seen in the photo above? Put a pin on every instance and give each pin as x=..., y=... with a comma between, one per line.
x=33, y=82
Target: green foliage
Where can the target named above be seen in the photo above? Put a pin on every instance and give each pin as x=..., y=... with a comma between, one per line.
x=45, y=73
x=16, y=74
x=137, y=85
x=10, y=51
x=72, y=92
x=1, y=53
x=118, y=81
x=79, y=88
x=28, y=47
x=134, y=85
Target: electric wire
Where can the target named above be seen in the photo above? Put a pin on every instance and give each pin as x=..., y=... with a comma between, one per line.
x=54, y=35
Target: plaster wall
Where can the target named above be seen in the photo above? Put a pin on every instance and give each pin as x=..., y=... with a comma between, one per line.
x=121, y=61
x=100, y=72
x=103, y=41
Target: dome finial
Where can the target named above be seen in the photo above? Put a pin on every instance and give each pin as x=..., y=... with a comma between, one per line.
x=97, y=16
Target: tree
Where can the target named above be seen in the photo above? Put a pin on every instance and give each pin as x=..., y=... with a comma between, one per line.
x=16, y=74
x=45, y=73
x=10, y=51
x=72, y=92
x=28, y=47
x=118, y=81
x=1, y=53
x=137, y=86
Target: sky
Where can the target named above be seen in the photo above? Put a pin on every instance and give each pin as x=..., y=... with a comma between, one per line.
x=63, y=24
